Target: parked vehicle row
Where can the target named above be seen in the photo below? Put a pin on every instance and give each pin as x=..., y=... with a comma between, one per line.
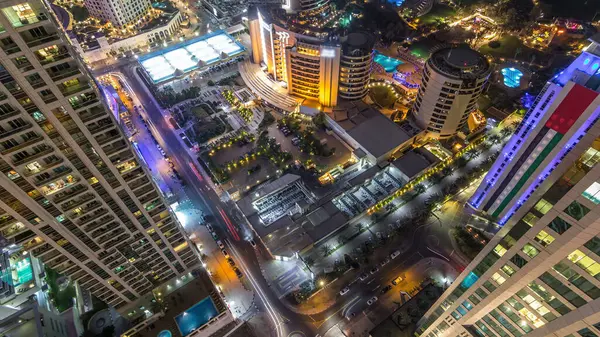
x=221, y=245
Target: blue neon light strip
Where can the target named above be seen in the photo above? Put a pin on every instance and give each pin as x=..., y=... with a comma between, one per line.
x=530, y=121
x=557, y=160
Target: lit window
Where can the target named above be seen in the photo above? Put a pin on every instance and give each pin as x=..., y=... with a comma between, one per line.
x=530, y=250
x=543, y=206
x=530, y=219
x=500, y=250
x=592, y=193
x=498, y=278
x=508, y=270
x=543, y=238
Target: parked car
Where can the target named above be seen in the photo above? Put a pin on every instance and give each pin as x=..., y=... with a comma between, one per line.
x=209, y=227
x=385, y=261
x=372, y=300
x=231, y=262
x=386, y=289
x=363, y=276
x=225, y=253
x=344, y=291
x=253, y=243
x=397, y=280
x=395, y=254
x=374, y=270
x=220, y=243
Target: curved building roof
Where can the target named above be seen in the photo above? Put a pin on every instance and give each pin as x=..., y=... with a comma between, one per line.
x=460, y=63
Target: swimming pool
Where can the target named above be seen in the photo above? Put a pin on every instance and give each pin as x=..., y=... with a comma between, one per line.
x=512, y=77
x=388, y=63
x=196, y=316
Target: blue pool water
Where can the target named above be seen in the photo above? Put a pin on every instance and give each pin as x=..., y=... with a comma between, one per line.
x=512, y=77
x=164, y=333
x=196, y=316
x=388, y=63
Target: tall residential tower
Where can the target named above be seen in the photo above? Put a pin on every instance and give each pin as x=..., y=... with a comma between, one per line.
x=540, y=275
x=453, y=79
x=72, y=191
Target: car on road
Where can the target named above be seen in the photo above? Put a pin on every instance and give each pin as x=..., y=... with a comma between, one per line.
x=395, y=254
x=231, y=262
x=372, y=300
x=225, y=253
x=344, y=291
x=374, y=270
x=253, y=244
x=384, y=262
x=363, y=276
x=209, y=227
x=350, y=315
x=220, y=243
x=397, y=280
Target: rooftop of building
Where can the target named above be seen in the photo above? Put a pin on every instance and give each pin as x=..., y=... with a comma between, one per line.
x=460, y=62
x=415, y=161
x=376, y=133
x=585, y=70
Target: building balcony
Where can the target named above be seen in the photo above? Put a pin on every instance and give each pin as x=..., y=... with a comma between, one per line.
x=53, y=57
x=67, y=206
x=83, y=103
x=33, y=42
x=34, y=156
x=15, y=130
x=11, y=48
x=64, y=74
x=26, y=143
x=70, y=90
x=91, y=114
x=58, y=173
x=69, y=194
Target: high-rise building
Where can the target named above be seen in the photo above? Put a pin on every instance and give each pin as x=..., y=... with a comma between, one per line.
x=72, y=191
x=453, y=79
x=120, y=12
x=561, y=114
x=318, y=66
x=540, y=274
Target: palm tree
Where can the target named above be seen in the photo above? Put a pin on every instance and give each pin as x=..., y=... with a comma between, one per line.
x=446, y=171
x=419, y=188
x=309, y=262
x=341, y=240
x=507, y=131
x=472, y=153
x=515, y=124
x=325, y=250
x=359, y=227
x=494, y=139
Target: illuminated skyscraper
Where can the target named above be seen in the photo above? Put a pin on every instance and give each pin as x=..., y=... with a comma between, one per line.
x=73, y=194
x=540, y=274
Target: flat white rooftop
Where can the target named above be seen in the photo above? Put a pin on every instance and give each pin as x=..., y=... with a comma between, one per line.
x=193, y=54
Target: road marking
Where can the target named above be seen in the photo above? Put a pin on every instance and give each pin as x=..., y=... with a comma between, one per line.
x=263, y=297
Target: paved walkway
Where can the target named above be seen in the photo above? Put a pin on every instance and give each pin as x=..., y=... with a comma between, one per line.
x=265, y=88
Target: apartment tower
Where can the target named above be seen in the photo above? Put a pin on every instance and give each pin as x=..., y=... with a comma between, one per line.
x=453, y=79
x=72, y=191
x=540, y=274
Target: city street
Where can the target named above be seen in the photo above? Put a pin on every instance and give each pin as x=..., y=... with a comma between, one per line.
x=421, y=246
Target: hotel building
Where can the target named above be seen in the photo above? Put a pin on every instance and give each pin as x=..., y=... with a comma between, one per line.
x=540, y=274
x=453, y=79
x=73, y=193
x=311, y=64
